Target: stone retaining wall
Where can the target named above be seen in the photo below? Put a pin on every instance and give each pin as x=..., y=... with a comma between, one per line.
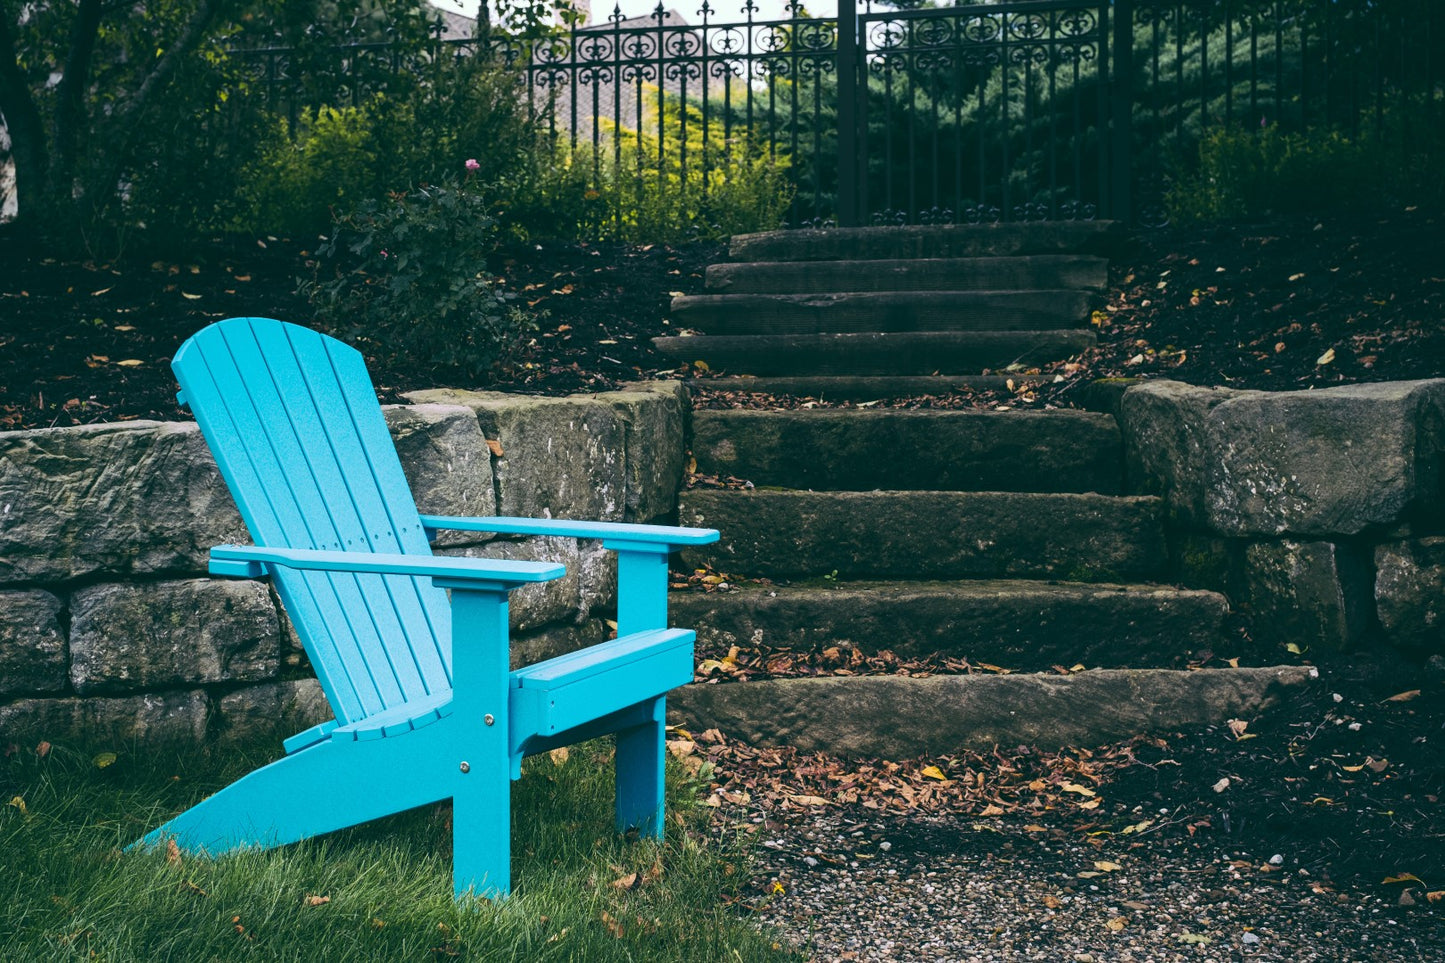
x=109, y=623
x=1320, y=513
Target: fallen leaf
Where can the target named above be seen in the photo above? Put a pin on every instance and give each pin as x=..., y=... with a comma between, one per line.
x=1222, y=785
x=1327, y=357
x=614, y=926
x=190, y=297
x=19, y=804
x=1075, y=787
x=1116, y=924
x=1435, y=896
x=130, y=363
x=495, y=447
x=933, y=772
x=1295, y=277
x=630, y=881
x=1104, y=866
x=1187, y=937
x=124, y=327
x=992, y=810
x=1402, y=878
x=317, y=900
x=1405, y=696
x=559, y=755
x=42, y=749
x=805, y=800
x=1237, y=726
x=1035, y=828
x=103, y=759
x=173, y=853
x=96, y=294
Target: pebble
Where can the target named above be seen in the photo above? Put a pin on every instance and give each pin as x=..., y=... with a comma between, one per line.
x=944, y=889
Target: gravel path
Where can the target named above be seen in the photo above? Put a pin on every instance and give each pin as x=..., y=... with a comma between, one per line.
x=942, y=888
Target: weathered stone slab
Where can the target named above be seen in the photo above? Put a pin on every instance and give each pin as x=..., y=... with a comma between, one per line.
x=927, y=241
x=446, y=460
x=1041, y=272
x=138, y=497
x=560, y=457
x=608, y=457
x=533, y=606
x=270, y=709
x=895, y=717
x=1168, y=447
x=787, y=534
x=999, y=451
x=555, y=640
x=1020, y=625
x=1330, y=462
x=875, y=353
x=125, y=636
x=1410, y=593
x=653, y=416
x=1312, y=594
x=152, y=717
x=32, y=646
x=740, y=314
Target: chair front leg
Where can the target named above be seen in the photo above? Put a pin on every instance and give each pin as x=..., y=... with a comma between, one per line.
x=482, y=802
x=641, y=752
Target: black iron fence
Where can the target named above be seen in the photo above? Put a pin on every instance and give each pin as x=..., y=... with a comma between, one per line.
x=1038, y=109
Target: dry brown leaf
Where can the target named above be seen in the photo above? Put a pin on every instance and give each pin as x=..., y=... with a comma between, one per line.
x=559, y=755
x=495, y=446
x=613, y=926
x=1116, y=924
x=173, y=853
x=630, y=881
x=1105, y=866
x=1405, y=696
x=317, y=900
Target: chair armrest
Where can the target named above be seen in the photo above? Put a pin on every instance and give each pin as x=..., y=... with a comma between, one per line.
x=613, y=534
x=249, y=561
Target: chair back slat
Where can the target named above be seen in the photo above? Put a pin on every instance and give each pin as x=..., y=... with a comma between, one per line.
x=292, y=419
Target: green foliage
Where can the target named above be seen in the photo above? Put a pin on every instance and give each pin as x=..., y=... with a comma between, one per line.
x=295, y=182
x=410, y=133
x=674, y=180
x=379, y=892
x=409, y=274
x=1249, y=173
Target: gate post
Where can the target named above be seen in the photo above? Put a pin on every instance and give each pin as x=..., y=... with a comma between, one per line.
x=1121, y=86
x=848, y=214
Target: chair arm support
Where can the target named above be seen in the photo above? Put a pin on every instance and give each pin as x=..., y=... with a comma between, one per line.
x=250, y=561
x=664, y=537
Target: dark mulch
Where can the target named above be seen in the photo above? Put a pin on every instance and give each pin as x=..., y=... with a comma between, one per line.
x=83, y=342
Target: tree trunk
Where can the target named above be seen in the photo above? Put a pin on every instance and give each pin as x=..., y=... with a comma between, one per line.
x=26, y=129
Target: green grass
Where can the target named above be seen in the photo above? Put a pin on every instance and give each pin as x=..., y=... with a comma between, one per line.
x=67, y=892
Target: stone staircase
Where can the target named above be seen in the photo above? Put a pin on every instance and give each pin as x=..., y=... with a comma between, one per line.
x=931, y=306
x=1004, y=538
x=999, y=537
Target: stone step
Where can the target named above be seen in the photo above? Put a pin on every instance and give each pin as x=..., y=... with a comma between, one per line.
x=928, y=535
x=876, y=353
x=1021, y=625
x=992, y=451
x=928, y=241
x=863, y=387
x=1029, y=273
x=896, y=717
x=736, y=314
x=1039, y=272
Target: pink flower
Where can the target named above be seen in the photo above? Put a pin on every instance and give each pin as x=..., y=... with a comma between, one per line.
x=472, y=165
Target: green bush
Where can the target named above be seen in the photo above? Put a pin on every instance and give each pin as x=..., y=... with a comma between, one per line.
x=300, y=176
x=1248, y=173
x=409, y=275
x=643, y=192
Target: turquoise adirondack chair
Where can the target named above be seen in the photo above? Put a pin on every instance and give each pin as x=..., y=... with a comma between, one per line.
x=425, y=706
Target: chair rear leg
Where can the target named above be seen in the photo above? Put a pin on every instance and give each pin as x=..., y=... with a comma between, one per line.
x=325, y=787
x=640, y=754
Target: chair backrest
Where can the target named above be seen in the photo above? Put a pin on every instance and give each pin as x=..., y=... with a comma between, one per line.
x=293, y=422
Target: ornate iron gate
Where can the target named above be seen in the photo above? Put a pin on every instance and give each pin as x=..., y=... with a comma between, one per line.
x=978, y=113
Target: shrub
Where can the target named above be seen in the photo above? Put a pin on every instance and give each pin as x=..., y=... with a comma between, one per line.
x=409, y=274
x=299, y=176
